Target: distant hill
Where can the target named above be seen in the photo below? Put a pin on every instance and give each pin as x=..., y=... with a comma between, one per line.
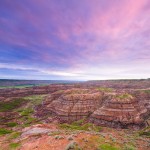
x=9, y=82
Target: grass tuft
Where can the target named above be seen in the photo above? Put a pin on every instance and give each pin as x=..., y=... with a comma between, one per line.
x=26, y=112
x=4, y=131
x=14, y=145
x=107, y=147
x=11, y=124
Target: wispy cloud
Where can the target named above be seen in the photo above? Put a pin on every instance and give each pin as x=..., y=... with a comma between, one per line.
x=75, y=39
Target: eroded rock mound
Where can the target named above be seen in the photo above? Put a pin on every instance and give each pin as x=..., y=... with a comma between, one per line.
x=74, y=104
x=112, y=109
x=122, y=110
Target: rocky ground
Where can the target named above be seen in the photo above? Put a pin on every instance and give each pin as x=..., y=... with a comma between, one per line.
x=65, y=117
x=54, y=136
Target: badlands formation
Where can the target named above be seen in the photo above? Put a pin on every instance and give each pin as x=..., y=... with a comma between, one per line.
x=94, y=115
x=101, y=107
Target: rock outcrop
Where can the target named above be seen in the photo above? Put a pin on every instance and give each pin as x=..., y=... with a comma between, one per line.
x=121, y=111
x=108, y=109
x=71, y=105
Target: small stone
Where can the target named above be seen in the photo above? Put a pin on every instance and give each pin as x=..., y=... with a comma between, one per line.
x=148, y=145
x=72, y=145
x=49, y=134
x=56, y=137
x=74, y=135
x=106, y=141
x=102, y=135
x=85, y=140
x=59, y=137
x=35, y=147
x=70, y=138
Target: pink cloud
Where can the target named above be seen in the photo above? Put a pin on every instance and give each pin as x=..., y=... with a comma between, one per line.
x=78, y=35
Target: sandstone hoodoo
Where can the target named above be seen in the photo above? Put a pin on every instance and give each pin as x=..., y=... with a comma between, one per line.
x=121, y=110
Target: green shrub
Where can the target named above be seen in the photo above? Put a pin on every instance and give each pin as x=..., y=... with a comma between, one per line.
x=11, y=124
x=73, y=146
x=14, y=145
x=145, y=132
x=4, y=131
x=29, y=120
x=26, y=112
x=79, y=126
x=107, y=147
x=78, y=123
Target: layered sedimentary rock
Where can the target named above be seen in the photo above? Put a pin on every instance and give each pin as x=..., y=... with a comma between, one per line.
x=113, y=109
x=75, y=104
x=120, y=111
x=144, y=99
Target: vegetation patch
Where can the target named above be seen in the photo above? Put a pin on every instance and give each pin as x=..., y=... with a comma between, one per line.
x=108, y=147
x=10, y=105
x=73, y=145
x=14, y=135
x=78, y=125
x=4, y=131
x=123, y=96
x=145, y=132
x=11, y=124
x=14, y=145
x=30, y=120
x=35, y=99
x=147, y=91
x=92, y=142
x=104, y=89
x=27, y=121
x=26, y=112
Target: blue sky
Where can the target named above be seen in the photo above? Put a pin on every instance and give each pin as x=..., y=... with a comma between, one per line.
x=74, y=40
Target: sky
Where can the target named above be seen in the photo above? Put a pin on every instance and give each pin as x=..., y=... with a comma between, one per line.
x=74, y=39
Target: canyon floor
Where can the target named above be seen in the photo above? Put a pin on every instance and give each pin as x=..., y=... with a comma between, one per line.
x=75, y=117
